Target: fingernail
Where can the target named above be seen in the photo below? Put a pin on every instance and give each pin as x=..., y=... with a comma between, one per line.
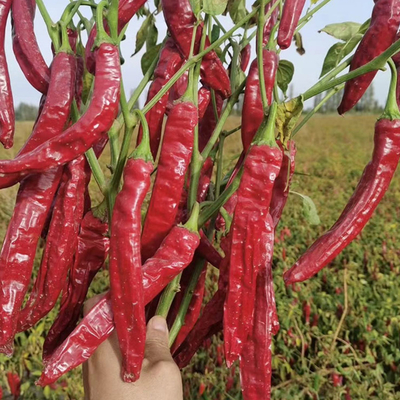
x=159, y=324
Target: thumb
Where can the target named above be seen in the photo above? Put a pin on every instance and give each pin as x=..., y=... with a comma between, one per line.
x=157, y=341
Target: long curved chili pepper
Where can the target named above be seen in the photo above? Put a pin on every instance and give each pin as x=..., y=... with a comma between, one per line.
x=60, y=245
x=369, y=192
x=291, y=13
x=80, y=137
x=270, y=22
x=174, y=255
x=55, y=111
x=33, y=203
x=281, y=188
x=126, y=10
x=261, y=167
x=176, y=153
x=91, y=253
x=207, y=251
x=253, y=113
x=126, y=267
x=25, y=46
x=245, y=55
x=379, y=37
x=169, y=62
x=7, y=114
x=180, y=20
x=204, y=98
x=256, y=357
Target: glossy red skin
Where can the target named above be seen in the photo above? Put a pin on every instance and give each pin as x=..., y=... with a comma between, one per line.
x=270, y=22
x=170, y=61
x=369, y=192
x=211, y=318
x=207, y=251
x=81, y=136
x=203, y=101
x=26, y=48
x=253, y=113
x=60, y=245
x=33, y=203
x=245, y=57
x=256, y=358
x=176, y=154
x=80, y=70
x=291, y=14
x=126, y=10
x=180, y=20
x=7, y=114
x=280, y=192
x=14, y=382
x=379, y=37
x=126, y=267
x=55, y=112
x=92, y=249
x=173, y=256
x=247, y=257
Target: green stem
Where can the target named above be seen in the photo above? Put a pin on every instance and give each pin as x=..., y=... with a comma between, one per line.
x=391, y=110
x=220, y=165
x=65, y=46
x=143, y=150
x=73, y=8
x=168, y=296
x=266, y=133
x=303, y=21
x=102, y=36
x=232, y=131
x=235, y=66
x=218, y=129
x=316, y=109
x=196, y=59
x=223, y=29
x=112, y=19
x=52, y=28
x=260, y=54
x=374, y=65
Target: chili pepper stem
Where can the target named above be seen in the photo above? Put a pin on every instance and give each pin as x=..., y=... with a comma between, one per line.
x=52, y=28
x=102, y=36
x=391, y=110
x=143, y=150
x=112, y=19
x=65, y=46
x=260, y=53
x=303, y=21
x=266, y=133
x=193, y=223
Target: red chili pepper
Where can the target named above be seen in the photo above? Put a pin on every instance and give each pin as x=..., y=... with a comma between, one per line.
x=180, y=20
x=125, y=264
x=174, y=255
x=56, y=110
x=60, y=245
x=245, y=57
x=176, y=153
x=280, y=192
x=14, y=382
x=202, y=388
x=306, y=312
x=207, y=251
x=7, y=115
x=291, y=13
x=371, y=188
x=92, y=249
x=126, y=10
x=203, y=101
x=25, y=46
x=270, y=22
x=384, y=25
x=81, y=136
x=253, y=112
x=170, y=61
x=261, y=167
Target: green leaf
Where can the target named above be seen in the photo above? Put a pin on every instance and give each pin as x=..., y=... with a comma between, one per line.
x=149, y=57
x=285, y=75
x=216, y=30
x=237, y=10
x=287, y=117
x=214, y=7
x=342, y=31
x=196, y=6
x=310, y=211
x=142, y=33
x=152, y=35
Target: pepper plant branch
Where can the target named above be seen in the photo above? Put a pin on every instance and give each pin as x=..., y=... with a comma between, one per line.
x=112, y=19
x=52, y=28
x=391, y=108
x=260, y=53
x=374, y=65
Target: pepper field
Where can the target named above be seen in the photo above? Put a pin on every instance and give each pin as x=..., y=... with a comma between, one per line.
x=340, y=332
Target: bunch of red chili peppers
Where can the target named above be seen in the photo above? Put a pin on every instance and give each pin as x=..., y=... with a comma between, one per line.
x=159, y=250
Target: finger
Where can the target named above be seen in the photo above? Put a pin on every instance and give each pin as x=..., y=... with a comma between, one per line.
x=89, y=304
x=157, y=341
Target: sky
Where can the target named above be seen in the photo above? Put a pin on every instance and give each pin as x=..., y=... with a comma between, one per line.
x=308, y=66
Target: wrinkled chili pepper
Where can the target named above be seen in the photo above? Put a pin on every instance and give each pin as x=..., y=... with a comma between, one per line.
x=261, y=167
x=80, y=137
x=33, y=203
x=14, y=382
x=7, y=114
x=126, y=10
x=379, y=37
x=125, y=263
x=291, y=13
x=173, y=256
x=170, y=61
x=253, y=111
x=176, y=153
x=180, y=20
x=60, y=245
x=92, y=249
x=280, y=192
x=25, y=46
x=369, y=192
x=245, y=57
x=207, y=251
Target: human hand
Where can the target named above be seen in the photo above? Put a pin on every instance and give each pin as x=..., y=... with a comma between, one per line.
x=160, y=377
